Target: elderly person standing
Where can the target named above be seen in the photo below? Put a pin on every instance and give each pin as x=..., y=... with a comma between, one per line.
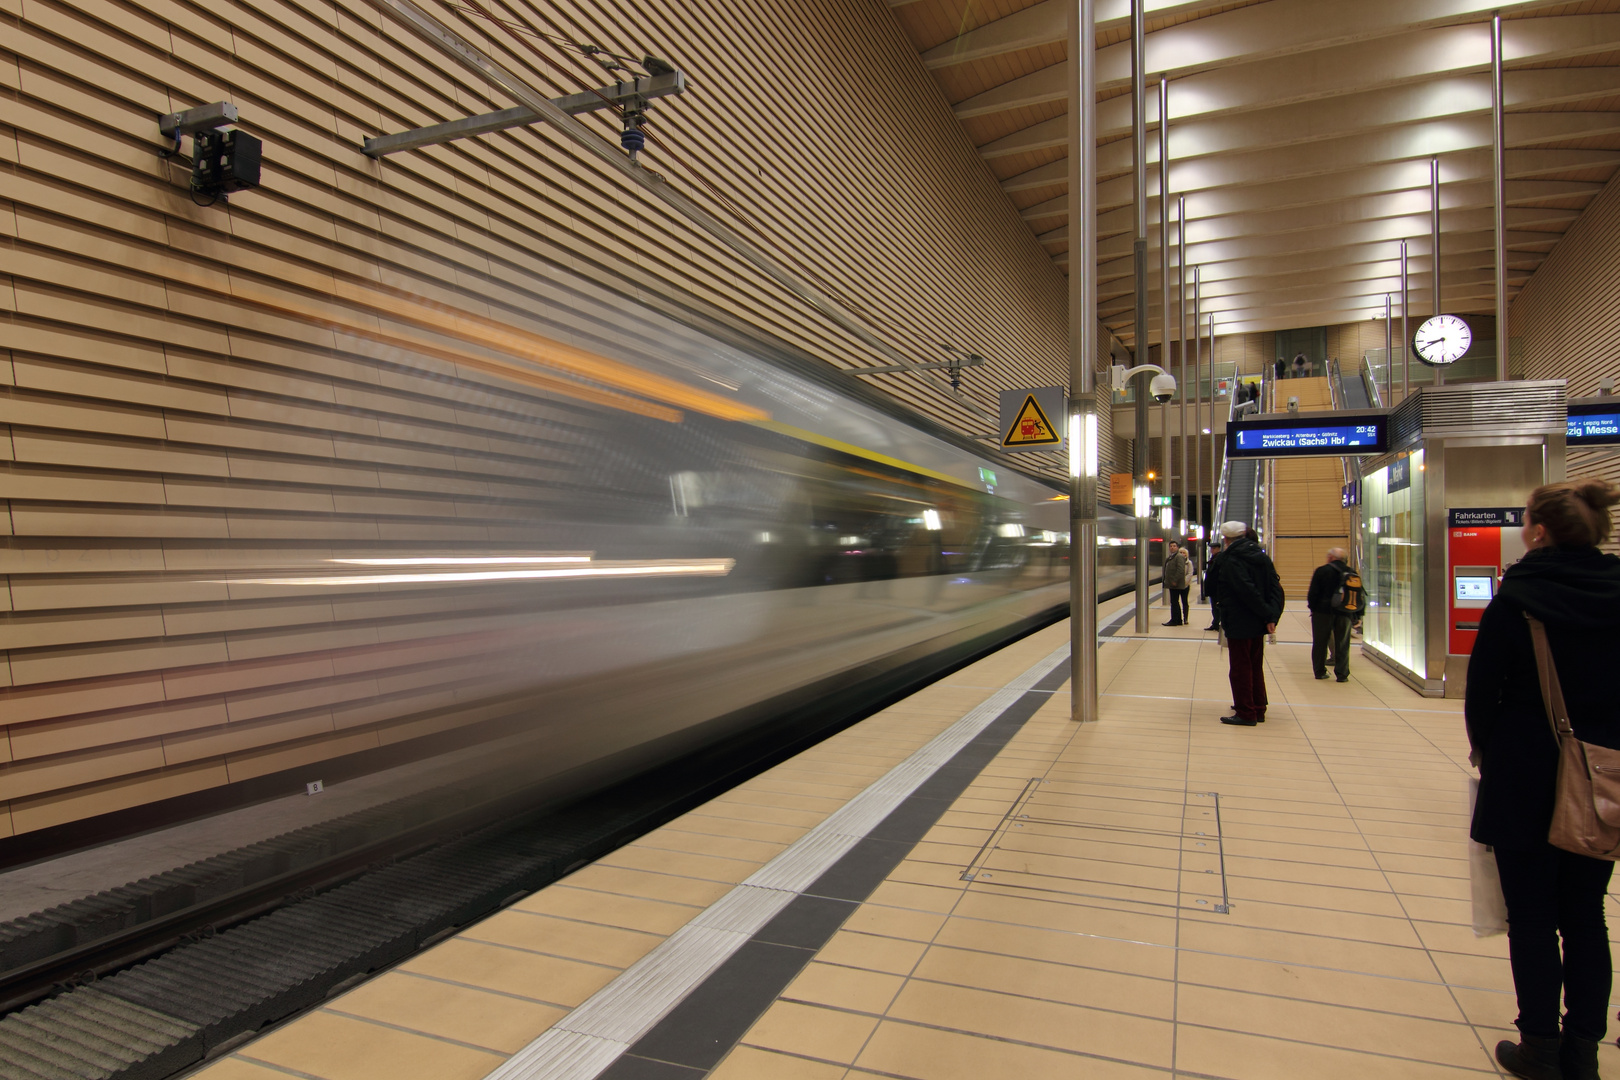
x=1251, y=598
x=1177, y=582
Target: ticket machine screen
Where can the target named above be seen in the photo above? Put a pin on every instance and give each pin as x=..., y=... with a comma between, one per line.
x=1475, y=588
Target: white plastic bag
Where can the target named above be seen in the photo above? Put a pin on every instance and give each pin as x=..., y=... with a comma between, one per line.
x=1490, y=908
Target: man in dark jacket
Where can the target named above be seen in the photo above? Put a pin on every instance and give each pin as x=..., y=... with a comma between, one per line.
x=1329, y=626
x=1212, y=575
x=1251, y=597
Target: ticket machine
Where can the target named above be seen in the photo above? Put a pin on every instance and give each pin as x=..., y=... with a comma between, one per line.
x=1480, y=544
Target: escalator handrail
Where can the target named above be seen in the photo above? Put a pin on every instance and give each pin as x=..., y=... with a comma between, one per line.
x=1370, y=378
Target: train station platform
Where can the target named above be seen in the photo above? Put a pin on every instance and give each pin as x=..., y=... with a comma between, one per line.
x=968, y=885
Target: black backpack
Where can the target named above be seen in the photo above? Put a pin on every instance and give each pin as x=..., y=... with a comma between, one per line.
x=1350, y=598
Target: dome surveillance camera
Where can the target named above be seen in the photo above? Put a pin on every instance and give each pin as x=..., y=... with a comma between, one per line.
x=1163, y=388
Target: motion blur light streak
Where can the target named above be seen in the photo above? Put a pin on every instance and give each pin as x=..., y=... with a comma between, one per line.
x=467, y=329
x=514, y=560
x=703, y=568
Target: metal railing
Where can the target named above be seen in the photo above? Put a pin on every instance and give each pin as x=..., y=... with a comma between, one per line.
x=1375, y=392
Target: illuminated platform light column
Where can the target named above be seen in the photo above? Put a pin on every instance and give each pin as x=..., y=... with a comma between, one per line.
x=1083, y=331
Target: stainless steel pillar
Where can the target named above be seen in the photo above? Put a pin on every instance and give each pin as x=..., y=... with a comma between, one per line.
x=1139, y=466
x=1214, y=475
x=1434, y=247
x=1389, y=354
x=1198, y=380
x=1406, y=331
x=1181, y=359
x=1166, y=470
x=1083, y=331
x=1499, y=176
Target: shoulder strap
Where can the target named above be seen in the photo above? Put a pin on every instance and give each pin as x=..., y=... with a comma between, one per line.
x=1552, y=694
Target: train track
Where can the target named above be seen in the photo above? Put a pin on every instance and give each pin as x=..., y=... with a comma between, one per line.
x=114, y=987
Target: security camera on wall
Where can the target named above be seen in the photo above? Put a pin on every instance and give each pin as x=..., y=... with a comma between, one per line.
x=1163, y=388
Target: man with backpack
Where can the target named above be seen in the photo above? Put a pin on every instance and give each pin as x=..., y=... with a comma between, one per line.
x=1336, y=601
x=1251, y=598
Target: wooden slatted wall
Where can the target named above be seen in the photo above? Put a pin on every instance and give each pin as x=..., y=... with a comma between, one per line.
x=189, y=391
x=1567, y=319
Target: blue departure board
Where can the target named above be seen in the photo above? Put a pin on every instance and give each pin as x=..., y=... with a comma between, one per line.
x=1309, y=435
x=1594, y=422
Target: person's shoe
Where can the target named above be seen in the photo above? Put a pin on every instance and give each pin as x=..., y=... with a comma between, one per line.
x=1579, y=1058
x=1239, y=721
x=1323, y=675
x=1172, y=622
x=1207, y=629
x=1532, y=1057
x=1342, y=678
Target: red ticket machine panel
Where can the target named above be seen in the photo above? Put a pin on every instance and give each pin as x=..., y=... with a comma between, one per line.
x=1480, y=543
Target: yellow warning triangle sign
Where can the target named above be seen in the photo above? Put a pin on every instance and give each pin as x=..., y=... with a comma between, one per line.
x=1031, y=427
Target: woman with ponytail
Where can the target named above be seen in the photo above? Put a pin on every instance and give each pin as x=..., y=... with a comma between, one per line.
x=1567, y=583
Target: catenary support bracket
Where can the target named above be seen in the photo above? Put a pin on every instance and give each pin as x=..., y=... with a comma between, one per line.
x=619, y=93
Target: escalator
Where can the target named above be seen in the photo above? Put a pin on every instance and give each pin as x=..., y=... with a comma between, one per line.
x=1240, y=496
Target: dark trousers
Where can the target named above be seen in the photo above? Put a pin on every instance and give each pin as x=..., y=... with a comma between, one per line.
x=1330, y=629
x=1247, y=672
x=1214, y=614
x=1178, y=604
x=1550, y=894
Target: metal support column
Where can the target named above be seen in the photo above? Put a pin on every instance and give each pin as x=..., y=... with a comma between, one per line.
x=1389, y=354
x=1198, y=380
x=1181, y=357
x=1139, y=466
x=1170, y=473
x=1083, y=331
x=1434, y=247
x=1214, y=475
x=1499, y=189
x=1406, y=331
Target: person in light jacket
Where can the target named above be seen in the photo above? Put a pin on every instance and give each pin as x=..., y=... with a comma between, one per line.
x=1177, y=581
x=1567, y=583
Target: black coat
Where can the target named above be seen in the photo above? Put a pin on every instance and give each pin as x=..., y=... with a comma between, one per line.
x=1250, y=593
x=1576, y=592
x=1212, y=575
x=1325, y=585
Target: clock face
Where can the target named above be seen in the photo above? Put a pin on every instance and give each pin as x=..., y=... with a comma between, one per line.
x=1442, y=340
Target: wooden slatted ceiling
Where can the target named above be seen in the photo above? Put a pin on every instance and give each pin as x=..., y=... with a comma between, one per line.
x=160, y=431
x=1567, y=320
x=934, y=25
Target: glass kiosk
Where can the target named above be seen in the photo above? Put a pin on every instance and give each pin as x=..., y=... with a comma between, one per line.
x=1440, y=517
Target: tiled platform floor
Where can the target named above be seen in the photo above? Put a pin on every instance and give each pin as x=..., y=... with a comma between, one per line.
x=1088, y=943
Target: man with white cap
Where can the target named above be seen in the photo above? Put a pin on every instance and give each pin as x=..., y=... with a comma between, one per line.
x=1251, y=598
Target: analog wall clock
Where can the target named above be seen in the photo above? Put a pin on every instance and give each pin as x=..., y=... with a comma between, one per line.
x=1442, y=339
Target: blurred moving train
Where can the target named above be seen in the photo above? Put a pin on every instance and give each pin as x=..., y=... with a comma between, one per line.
x=590, y=578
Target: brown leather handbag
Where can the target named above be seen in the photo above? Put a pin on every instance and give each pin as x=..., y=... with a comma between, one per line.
x=1586, y=810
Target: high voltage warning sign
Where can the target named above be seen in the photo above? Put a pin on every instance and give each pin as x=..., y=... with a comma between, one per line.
x=1031, y=427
